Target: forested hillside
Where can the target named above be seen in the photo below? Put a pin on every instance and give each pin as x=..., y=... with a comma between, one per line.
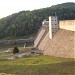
x=27, y=23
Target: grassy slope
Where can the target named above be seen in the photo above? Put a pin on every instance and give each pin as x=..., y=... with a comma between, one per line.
x=4, y=55
x=39, y=65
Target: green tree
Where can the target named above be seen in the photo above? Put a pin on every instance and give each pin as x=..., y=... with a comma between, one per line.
x=15, y=50
x=27, y=23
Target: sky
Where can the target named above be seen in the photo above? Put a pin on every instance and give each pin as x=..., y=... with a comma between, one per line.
x=8, y=7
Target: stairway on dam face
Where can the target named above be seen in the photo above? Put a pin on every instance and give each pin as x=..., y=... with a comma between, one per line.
x=46, y=31
x=62, y=44
x=41, y=33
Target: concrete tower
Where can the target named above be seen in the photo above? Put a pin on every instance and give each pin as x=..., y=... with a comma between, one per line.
x=53, y=26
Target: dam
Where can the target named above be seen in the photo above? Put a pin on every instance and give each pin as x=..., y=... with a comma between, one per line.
x=56, y=38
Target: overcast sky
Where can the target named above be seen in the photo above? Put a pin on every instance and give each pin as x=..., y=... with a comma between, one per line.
x=8, y=7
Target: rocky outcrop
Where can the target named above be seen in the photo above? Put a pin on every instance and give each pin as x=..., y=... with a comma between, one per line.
x=19, y=41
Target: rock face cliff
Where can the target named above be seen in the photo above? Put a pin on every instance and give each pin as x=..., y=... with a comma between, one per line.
x=18, y=41
x=61, y=45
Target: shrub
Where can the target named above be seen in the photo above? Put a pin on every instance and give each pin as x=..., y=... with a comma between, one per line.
x=15, y=50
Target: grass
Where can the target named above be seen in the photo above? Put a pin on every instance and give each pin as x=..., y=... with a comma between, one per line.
x=39, y=65
x=11, y=52
x=5, y=54
x=5, y=47
x=6, y=74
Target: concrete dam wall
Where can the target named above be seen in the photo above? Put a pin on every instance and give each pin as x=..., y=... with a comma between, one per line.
x=67, y=24
x=63, y=42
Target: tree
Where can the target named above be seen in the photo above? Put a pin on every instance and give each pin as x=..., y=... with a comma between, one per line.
x=26, y=23
x=15, y=50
